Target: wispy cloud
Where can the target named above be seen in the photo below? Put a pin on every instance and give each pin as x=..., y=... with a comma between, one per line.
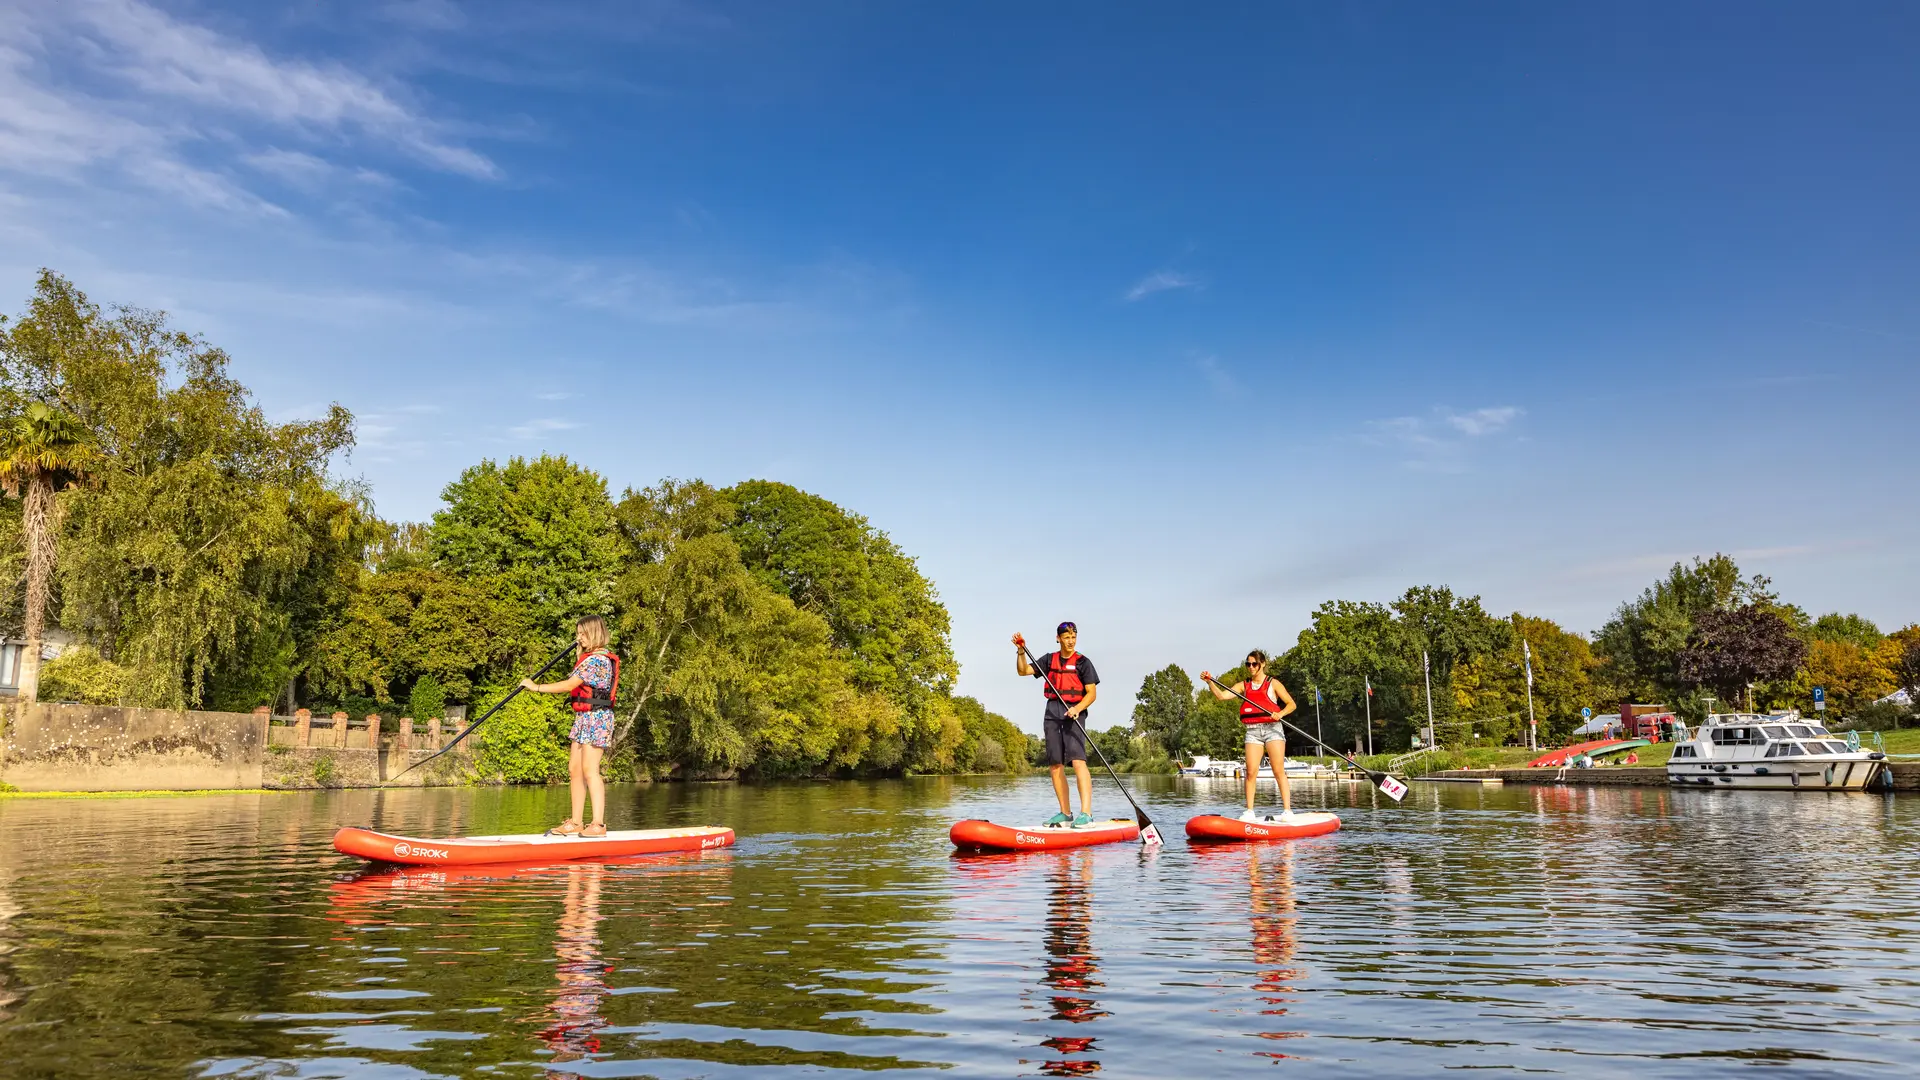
x=556, y=395
x=1440, y=442
x=1161, y=281
x=1222, y=382
x=545, y=425
x=182, y=109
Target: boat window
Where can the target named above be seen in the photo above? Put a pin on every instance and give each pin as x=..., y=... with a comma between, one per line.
x=1683, y=751
x=1801, y=731
x=1789, y=749
x=1836, y=747
x=1818, y=730
x=1817, y=747
x=1774, y=731
x=1777, y=749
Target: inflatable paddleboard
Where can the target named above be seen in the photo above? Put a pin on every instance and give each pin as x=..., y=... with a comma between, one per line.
x=1214, y=829
x=976, y=835
x=532, y=847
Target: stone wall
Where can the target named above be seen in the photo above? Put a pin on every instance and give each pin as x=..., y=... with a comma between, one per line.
x=58, y=747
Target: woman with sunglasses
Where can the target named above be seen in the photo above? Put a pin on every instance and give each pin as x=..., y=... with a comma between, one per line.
x=1266, y=702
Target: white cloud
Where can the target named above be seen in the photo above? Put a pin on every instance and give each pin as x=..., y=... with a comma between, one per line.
x=556, y=395
x=172, y=106
x=1217, y=377
x=1440, y=442
x=1160, y=281
x=1482, y=421
x=542, y=426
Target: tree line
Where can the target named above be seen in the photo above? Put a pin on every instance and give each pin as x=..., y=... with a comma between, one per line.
x=1703, y=636
x=205, y=557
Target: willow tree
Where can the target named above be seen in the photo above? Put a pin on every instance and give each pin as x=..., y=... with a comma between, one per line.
x=44, y=450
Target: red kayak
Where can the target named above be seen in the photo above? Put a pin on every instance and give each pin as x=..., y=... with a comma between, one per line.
x=975, y=835
x=1214, y=829
x=476, y=850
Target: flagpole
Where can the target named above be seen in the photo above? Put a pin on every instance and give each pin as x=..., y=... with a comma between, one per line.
x=1369, y=681
x=1318, y=731
x=1533, y=726
x=1426, y=673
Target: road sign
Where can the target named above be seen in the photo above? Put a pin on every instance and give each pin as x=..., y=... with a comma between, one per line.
x=1586, y=714
x=1819, y=699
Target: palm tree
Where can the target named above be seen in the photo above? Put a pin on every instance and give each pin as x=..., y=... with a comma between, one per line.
x=42, y=450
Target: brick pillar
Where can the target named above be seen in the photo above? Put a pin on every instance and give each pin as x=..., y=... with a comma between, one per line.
x=263, y=710
x=433, y=733
x=302, y=726
x=340, y=730
x=373, y=731
x=404, y=740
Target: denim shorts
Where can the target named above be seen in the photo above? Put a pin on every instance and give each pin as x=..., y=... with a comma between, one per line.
x=1262, y=734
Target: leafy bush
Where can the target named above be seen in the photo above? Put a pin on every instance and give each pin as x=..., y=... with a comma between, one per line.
x=323, y=770
x=989, y=755
x=1884, y=716
x=428, y=701
x=83, y=676
x=526, y=742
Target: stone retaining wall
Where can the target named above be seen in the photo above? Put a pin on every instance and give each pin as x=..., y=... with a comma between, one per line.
x=60, y=747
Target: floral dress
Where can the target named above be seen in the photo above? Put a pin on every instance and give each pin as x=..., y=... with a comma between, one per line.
x=595, y=726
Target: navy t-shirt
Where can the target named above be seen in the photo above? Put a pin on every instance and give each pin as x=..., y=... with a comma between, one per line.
x=1057, y=710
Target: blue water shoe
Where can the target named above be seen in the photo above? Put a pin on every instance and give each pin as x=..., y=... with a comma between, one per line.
x=1082, y=818
x=1057, y=820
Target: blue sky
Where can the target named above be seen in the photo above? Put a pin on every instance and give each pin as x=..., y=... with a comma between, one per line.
x=1172, y=322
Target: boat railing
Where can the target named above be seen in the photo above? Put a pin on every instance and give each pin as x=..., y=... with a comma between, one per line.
x=1400, y=763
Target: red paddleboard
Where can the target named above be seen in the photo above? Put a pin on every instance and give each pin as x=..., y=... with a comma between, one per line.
x=1214, y=829
x=476, y=850
x=975, y=835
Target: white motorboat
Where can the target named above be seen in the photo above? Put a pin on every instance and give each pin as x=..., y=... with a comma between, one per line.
x=1206, y=767
x=1749, y=750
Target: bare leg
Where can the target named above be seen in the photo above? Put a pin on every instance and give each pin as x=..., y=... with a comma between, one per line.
x=1060, y=788
x=576, y=781
x=1085, y=778
x=596, y=784
x=1254, y=750
x=1277, y=761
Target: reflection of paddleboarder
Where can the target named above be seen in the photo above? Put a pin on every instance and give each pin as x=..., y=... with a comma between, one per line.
x=1270, y=896
x=1072, y=971
x=1070, y=682
x=581, y=971
x=1263, y=701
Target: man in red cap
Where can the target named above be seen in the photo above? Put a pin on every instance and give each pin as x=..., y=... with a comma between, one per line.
x=1071, y=685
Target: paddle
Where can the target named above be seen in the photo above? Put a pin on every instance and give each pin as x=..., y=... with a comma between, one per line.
x=1393, y=788
x=511, y=694
x=1149, y=833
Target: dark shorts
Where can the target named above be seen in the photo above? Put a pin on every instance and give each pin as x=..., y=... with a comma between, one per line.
x=1065, y=744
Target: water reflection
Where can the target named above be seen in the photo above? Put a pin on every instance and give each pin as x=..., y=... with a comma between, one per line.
x=574, y=1014
x=1072, y=971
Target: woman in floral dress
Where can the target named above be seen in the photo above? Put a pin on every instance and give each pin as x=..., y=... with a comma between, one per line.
x=591, y=685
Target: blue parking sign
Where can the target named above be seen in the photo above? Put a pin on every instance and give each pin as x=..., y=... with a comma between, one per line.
x=1819, y=693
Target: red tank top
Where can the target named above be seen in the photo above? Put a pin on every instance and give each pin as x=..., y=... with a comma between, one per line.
x=1260, y=707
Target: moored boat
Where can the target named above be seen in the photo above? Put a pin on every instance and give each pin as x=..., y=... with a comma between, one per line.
x=1781, y=751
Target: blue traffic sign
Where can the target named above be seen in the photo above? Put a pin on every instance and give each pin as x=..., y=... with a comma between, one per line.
x=1586, y=714
x=1819, y=693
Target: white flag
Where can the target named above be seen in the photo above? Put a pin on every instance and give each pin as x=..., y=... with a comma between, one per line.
x=1528, y=650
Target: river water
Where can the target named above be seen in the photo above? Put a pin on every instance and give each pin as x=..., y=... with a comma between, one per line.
x=1578, y=931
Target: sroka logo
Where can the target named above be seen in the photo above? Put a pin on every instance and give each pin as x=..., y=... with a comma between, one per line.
x=404, y=849
x=1255, y=830
x=1023, y=838
x=400, y=849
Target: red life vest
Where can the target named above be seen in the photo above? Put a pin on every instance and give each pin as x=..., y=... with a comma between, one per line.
x=1064, y=681
x=582, y=695
x=1260, y=707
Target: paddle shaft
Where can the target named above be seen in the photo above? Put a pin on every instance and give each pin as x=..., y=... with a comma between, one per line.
x=497, y=706
x=1374, y=776
x=1145, y=821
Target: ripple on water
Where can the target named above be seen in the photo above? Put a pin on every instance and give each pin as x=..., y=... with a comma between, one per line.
x=1577, y=931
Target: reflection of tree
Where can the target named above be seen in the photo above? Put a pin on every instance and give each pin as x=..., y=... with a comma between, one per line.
x=575, y=1009
x=7, y=911
x=1071, y=968
x=1270, y=897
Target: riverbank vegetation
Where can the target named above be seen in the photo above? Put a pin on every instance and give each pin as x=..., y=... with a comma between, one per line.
x=1703, y=636
x=204, y=556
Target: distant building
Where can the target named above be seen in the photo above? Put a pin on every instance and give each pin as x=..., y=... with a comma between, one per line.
x=52, y=644
x=1898, y=697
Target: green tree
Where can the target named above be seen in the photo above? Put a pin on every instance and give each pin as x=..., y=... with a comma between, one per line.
x=42, y=450
x=187, y=556
x=406, y=621
x=1849, y=629
x=536, y=534
x=1449, y=631
x=1164, y=707
x=1639, y=647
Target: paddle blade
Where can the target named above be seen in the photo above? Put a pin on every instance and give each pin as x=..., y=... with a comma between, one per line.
x=1393, y=788
x=1150, y=835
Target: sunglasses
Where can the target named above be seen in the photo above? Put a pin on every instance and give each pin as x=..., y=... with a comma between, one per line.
x=1251, y=662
